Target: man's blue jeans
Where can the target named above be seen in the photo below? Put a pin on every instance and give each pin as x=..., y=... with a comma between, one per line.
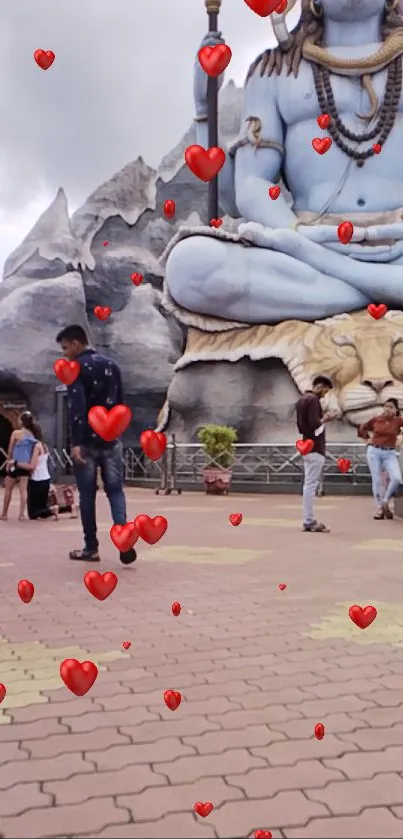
x=110, y=462
x=387, y=460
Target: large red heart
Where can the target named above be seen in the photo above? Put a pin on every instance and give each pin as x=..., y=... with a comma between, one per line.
x=204, y=163
x=345, y=232
x=44, y=59
x=362, y=617
x=322, y=144
x=203, y=809
x=66, y=371
x=377, y=312
x=172, y=699
x=235, y=519
x=214, y=60
x=263, y=8
x=344, y=464
x=102, y=312
x=100, y=585
x=305, y=446
x=26, y=590
x=150, y=530
x=78, y=676
x=323, y=121
x=3, y=691
x=109, y=424
x=124, y=536
x=153, y=444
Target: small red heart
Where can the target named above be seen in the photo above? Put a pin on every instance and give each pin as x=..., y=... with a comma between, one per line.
x=172, y=699
x=264, y=8
x=322, y=144
x=377, y=312
x=151, y=530
x=203, y=810
x=109, y=424
x=274, y=192
x=137, y=279
x=319, y=731
x=263, y=834
x=377, y=148
x=362, y=617
x=204, y=163
x=26, y=590
x=345, y=232
x=153, y=444
x=176, y=608
x=105, y=244
x=102, y=312
x=216, y=222
x=44, y=58
x=282, y=586
x=126, y=645
x=169, y=208
x=324, y=121
x=281, y=8
x=235, y=519
x=78, y=676
x=3, y=691
x=344, y=464
x=99, y=585
x=124, y=536
x=304, y=446
x=214, y=60
x=66, y=371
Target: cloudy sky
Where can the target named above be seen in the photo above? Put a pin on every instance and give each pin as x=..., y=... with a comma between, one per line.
x=121, y=85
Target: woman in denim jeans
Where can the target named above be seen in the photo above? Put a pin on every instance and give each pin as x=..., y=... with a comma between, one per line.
x=382, y=433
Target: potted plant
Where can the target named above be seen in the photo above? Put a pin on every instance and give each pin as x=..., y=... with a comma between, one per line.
x=218, y=443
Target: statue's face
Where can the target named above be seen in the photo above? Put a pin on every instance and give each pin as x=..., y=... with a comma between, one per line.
x=352, y=10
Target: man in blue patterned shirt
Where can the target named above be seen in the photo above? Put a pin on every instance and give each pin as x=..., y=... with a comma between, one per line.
x=98, y=383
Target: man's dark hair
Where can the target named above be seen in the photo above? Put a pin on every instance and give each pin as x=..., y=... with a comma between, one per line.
x=322, y=381
x=72, y=333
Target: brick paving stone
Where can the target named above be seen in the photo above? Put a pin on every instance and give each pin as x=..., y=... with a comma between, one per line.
x=372, y=823
x=266, y=716
x=369, y=739
x=289, y=752
x=358, y=765
x=51, y=822
x=187, y=769
x=79, y=788
x=105, y=719
x=57, y=744
x=350, y=797
x=31, y=731
x=149, y=732
x=379, y=717
x=334, y=724
x=41, y=770
x=178, y=826
x=74, y=707
x=239, y=818
x=218, y=742
x=262, y=783
x=178, y=798
x=119, y=756
x=21, y=797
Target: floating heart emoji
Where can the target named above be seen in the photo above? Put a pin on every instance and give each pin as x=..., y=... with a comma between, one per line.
x=126, y=645
x=323, y=121
x=105, y=244
x=3, y=691
x=214, y=60
x=176, y=608
x=137, y=279
x=304, y=446
x=204, y=163
x=66, y=371
x=264, y=8
x=102, y=312
x=150, y=530
x=124, y=536
x=274, y=192
x=319, y=731
x=78, y=676
x=282, y=586
x=169, y=208
x=345, y=232
x=344, y=464
x=377, y=312
x=109, y=424
x=377, y=148
x=172, y=699
x=362, y=617
x=153, y=444
x=26, y=590
x=44, y=58
x=216, y=222
x=281, y=8
x=203, y=809
x=263, y=834
x=321, y=144
x=235, y=519
x=99, y=585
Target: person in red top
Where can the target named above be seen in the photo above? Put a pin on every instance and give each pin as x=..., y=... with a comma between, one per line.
x=382, y=433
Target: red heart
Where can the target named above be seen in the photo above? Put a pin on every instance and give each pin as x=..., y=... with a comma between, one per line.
x=319, y=731
x=274, y=192
x=78, y=676
x=150, y=530
x=216, y=222
x=153, y=444
x=172, y=699
x=102, y=312
x=323, y=121
x=362, y=617
x=26, y=590
x=264, y=8
x=214, y=60
x=66, y=371
x=203, y=810
x=377, y=312
x=137, y=279
x=263, y=834
x=204, y=163
x=282, y=586
x=3, y=691
x=281, y=8
x=126, y=645
x=169, y=208
x=305, y=446
x=344, y=464
x=235, y=519
x=100, y=585
x=105, y=244
x=124, y=536
x=44, y=59
x=176, y=608
x=322, y=144
x=345, y=232
x=377, y=148
x=109, y=424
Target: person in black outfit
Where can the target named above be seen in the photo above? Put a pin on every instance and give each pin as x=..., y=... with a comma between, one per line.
x=99, y=383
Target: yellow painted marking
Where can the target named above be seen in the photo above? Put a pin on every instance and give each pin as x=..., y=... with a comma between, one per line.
x=204, y=555
x=393, y=545
x=387, y=627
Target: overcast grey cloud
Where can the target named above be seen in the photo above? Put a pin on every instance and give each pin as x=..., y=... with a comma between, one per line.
x=121, y=86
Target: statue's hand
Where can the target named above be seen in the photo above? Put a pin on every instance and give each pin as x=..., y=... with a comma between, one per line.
x=324, y=233
x=256, y=234
x=385, y=231
x=200, y=78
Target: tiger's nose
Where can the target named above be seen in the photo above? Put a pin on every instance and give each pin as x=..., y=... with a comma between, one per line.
x=377, y=384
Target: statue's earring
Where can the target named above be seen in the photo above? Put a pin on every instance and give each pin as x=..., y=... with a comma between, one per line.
x=315, y=7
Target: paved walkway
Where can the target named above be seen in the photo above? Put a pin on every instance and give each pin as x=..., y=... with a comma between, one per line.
x=257, y=668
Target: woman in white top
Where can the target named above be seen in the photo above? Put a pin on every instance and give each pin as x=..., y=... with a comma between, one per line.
x=39, y=484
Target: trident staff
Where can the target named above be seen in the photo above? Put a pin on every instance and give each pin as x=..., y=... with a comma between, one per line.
x=213, y=9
